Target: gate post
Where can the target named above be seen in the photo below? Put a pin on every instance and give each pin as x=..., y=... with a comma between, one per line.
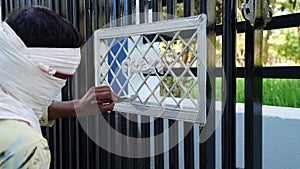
x=229, y=85
x=257, y=18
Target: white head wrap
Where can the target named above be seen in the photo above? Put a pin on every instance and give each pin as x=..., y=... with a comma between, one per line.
x=27, y=86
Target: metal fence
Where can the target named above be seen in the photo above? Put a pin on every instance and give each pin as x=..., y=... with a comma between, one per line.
x=72, y=148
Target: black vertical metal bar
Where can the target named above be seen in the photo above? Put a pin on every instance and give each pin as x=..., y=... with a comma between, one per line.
x=98, y=150
x=107, y=155
x=115, y=160
x=83, y=147
x=5, y=7
x=101, y=13
x=145, y=133
x=154, y=5
x=122, y=12
x=88, y=26
x=160, y=9
x=208, y=142
x=96, y=15
x=129, y=12
x=118, y=12
x=103, y=152
x=112, y=122
x=75, y=14
x=132, y=132
x=117, y=141
x=75, y=7
x=170, y=9
x=54, y=146
x=65, y=136
x=72, y=142
x=123, y=140
x=173, y=134
x=77, y=144
x=145, y=127
x=229, y=85
x=107, y=12
x=57, y=136
x=207, y=148
x=173, y=140
x=62, y=6
x=188, y=127
x=59, y=143
x=72, y=13
x=133, y=11
x=67, y=122
x=253, y=91
x=59, y=124
x=159, y=142
x=69, y=10
x=249, y=64
x=11, y=5
x=50, y=139
x=80, y=88
x=142, y=11
x=203, y=7
x=187, y=8
x=189, y=146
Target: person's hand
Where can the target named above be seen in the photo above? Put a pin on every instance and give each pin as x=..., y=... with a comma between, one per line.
x=97, y=99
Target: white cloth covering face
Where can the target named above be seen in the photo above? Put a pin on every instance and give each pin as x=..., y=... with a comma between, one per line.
x=27, y=86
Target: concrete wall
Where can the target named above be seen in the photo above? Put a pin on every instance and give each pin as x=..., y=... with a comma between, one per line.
x=281, y=138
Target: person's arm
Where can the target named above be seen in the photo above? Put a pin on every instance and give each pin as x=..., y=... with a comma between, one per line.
x=62, y=109
x=85, y=106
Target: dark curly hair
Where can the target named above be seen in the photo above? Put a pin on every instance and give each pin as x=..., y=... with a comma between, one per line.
x=41, y=27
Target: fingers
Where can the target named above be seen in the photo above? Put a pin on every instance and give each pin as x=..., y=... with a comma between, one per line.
x=102, y=93
x=101, y=88
x=105, y=98
x=105, y=108
x=101, y=97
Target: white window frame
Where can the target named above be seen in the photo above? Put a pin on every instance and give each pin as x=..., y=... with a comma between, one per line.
x=197, y=23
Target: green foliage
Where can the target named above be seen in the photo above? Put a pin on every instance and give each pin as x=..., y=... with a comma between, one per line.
x=177, y=89
x=281, y=46
x=285, y=44
x=282, y=92
x=290, y=6
x=276, y=92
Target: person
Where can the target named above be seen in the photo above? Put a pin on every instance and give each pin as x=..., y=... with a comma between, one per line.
x=39, y=50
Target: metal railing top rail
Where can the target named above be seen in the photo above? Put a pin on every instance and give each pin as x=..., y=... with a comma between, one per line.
x=277, y=22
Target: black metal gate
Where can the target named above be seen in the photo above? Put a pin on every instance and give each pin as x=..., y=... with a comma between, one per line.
x=72, y=148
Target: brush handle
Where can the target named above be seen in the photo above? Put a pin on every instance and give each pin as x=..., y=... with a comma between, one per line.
x=102, y=102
